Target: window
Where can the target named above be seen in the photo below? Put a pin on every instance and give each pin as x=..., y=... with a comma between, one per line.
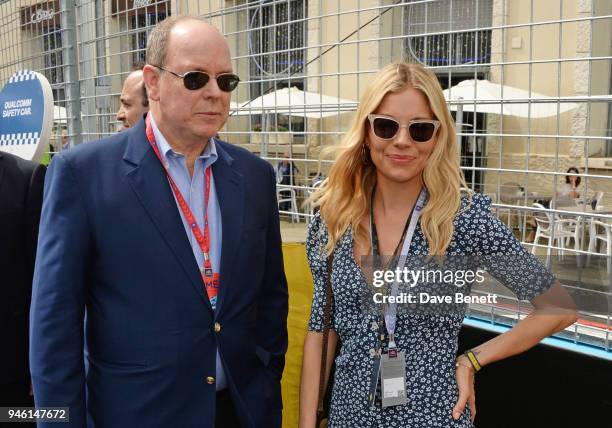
x=53, y=62
x=448, y=17
x=144, y=23
x=275, y=39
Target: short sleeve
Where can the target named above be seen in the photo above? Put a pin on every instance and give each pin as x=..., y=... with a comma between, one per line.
x=316, y=240
x=503, y=256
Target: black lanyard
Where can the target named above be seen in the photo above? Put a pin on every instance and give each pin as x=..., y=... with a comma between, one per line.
x=374, y=233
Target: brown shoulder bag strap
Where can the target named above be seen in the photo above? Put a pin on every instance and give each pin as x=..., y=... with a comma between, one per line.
x=327, y=312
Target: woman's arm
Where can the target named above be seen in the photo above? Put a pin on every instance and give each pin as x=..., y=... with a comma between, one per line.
x=553, y=311
x=311, y=370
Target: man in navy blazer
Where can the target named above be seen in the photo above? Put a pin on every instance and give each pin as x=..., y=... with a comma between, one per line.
x=166, y=345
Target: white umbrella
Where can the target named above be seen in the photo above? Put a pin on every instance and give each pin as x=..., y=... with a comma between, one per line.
x=234, y=106
x=483, y=96
x=295, y=102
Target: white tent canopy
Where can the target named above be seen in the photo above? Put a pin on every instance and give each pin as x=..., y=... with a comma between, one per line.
x=483, y=96
x=59, y=114
x=295, y=102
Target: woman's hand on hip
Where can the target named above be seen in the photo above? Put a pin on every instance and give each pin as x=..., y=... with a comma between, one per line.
x=464, y=373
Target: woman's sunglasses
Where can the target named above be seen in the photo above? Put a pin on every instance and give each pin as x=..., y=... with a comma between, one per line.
x=386, y=128
x=194, y=80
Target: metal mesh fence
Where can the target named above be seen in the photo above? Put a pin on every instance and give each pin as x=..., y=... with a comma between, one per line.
x=528, y=83
x=31, y=38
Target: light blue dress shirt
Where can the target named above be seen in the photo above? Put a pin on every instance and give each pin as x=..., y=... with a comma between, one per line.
x=192, y=189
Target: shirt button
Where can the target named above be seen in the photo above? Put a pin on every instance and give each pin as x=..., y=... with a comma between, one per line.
x=217, y=327
x=210, y=380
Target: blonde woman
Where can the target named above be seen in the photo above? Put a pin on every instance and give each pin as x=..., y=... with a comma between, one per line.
x=400, y=152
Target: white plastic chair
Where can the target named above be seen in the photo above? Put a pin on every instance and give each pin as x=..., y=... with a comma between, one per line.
x=288, y=194
x=598, y=198
x=605, y=236
x=316, y=183
x=555, y=230
x=511, y=194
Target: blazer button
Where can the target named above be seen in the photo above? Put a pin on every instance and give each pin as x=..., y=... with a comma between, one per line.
x=210, y=380
x=217, y=327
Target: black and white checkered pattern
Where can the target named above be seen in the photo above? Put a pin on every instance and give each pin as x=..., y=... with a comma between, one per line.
x=19, y=139
x=22, y=75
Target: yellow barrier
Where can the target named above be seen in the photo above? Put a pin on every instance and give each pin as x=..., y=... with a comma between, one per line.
x=299, y=281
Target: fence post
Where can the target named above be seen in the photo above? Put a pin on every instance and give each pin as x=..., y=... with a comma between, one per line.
x=71, y=71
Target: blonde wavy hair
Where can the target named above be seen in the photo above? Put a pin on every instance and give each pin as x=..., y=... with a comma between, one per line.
x=343, y=199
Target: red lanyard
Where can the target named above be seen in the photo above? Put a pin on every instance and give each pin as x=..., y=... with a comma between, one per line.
x=211, y=279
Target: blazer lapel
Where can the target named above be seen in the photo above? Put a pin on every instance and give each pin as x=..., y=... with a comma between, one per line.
x=147, y=178
x=230, y=193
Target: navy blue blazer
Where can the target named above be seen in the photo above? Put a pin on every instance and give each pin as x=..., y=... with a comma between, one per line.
x=112, y=246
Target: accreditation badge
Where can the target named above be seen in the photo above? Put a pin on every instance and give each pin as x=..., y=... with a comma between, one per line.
x=393, y=379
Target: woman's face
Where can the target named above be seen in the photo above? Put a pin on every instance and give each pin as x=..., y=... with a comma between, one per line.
x=401, y=159
x=572, y=178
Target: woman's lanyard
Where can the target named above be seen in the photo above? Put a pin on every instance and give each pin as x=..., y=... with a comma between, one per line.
x=210, y=279
x=390, y=309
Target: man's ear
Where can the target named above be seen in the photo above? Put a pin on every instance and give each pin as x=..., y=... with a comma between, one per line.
x=151, y=78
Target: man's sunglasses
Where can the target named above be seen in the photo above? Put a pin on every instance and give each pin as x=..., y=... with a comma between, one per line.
x=386, y=128
x=194, y=80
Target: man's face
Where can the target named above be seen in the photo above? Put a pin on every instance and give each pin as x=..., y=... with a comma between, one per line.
x=132, y=107
x=191, y=115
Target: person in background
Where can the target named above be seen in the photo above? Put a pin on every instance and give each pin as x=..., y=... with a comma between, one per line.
x=168, y=240
x=65, y=142
x=21, y=193
x=285, y=175
x=395, y=188
x=60, y=142
x=566, y=191
x=134, y=100
x=286, y=170
x=570, y=189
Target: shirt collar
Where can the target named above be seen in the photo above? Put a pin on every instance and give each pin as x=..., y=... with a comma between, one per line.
x=209, y=156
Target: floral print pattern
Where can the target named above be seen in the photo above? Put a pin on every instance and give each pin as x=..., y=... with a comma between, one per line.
x=430, y=341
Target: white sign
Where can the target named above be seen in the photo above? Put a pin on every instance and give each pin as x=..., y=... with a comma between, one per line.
x=26, y=115
x=42, y=15
x=141, y=3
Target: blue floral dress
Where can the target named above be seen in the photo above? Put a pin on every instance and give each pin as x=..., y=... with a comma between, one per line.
x=430, y=341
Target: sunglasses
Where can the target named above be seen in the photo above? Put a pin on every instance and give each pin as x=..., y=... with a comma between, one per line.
x=194, y=80
x=386, y=128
